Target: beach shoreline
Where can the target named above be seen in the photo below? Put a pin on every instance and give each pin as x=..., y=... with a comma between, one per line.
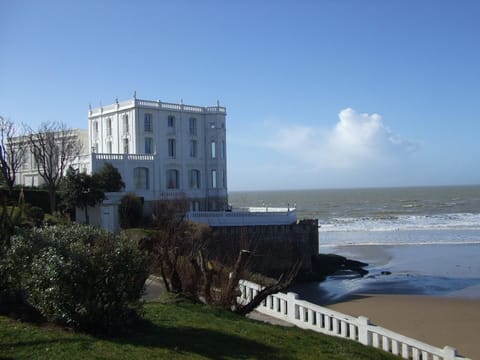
x=428, y=292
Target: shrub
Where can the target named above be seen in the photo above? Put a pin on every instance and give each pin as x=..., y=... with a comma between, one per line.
x=36, y=214
x=82, y=276
x=130, y=211
x=56, y=219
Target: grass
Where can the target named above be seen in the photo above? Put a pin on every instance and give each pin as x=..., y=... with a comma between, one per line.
x=180, y=331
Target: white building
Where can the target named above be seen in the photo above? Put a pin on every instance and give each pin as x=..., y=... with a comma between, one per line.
x=28, y=173
x=163, y=150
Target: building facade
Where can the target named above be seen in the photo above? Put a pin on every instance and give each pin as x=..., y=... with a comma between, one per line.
x=163, y=150
x=28, y=172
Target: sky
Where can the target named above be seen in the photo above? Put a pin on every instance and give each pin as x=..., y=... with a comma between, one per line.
x=319, y=94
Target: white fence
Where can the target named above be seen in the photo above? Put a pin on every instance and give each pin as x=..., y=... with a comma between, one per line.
x=244, y=218
x=290, y=308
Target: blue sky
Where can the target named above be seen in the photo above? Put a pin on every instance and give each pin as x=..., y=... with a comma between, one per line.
x=319, y=94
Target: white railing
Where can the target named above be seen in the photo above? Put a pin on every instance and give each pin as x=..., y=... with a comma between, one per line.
x=141, y=157
x=243, y=218
x=156, y=105
x=180, y=107
x=290, y=308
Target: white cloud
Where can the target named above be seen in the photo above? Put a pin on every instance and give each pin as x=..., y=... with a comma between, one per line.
x=357, y=140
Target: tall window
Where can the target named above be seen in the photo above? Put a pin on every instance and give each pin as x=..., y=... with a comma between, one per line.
x=193, y=148
x=95, y=129
x=171, y=122
x=109, y=147
x=148, y=145
x=192, y=126
x=27, y=159
x=125, y=146
x=171, y=148
x=125, y=123
x=194, y=179
x=214, y=179
x=213, y=146
x=172, y=179
x=222, y=153
x=224, y=179
x=147, y=123
x=109, y=127
x=140, y=178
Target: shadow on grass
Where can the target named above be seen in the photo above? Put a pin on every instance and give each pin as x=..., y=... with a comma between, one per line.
x=205, y=342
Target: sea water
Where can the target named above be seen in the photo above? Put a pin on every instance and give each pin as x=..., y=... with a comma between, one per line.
x=381, y=216
x=428, y=238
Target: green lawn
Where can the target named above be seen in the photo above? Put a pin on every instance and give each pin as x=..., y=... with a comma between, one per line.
x=182, y=330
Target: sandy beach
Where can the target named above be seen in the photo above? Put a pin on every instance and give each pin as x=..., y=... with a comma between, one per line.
x=431, y=293
x=434, y=320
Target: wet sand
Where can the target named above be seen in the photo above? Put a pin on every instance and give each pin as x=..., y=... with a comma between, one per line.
x=437, y=321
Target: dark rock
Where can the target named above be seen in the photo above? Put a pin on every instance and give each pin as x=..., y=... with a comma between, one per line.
x=324, y=265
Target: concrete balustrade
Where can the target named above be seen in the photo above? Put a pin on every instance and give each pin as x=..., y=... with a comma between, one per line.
x=157, y=105
x=290, y=308
x=272, y=216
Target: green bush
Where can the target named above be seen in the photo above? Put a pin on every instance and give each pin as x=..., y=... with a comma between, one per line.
x=36, y=214
x=130, y=211
x=81, y=276
x=56, y=219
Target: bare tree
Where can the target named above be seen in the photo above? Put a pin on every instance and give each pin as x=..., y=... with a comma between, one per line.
x=12, y=153
x=190, y=263
x=54, y=147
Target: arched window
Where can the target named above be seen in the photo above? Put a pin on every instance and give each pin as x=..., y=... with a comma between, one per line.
x=140, y=178
x=195, y=179
x=172, y=179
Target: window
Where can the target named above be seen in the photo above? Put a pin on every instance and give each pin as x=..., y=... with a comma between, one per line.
x=95, y=129
x=172, y=179
x=125, y=123
x=222, y=153
x=125, y=146
x=140, y=178
x=193, y=148
x=192, y=125
x=147, y=123
x=109, y=147
x=109, y=127
x=213, y=146
x=214, y=179
x=148, y=145
x=171, y=148
x=224, y=179
x=27, y=159
x=171, y=122
x=195, y=179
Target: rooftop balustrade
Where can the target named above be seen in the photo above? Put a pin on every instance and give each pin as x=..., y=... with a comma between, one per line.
x=156, y=105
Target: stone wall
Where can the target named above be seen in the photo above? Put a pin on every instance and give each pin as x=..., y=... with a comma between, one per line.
x=275, y=248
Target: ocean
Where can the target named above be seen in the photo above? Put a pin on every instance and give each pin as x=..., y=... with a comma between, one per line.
x=427, y=238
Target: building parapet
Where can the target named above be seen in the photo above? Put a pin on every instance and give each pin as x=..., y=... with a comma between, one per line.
x=271, y=216
x=160, y=105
